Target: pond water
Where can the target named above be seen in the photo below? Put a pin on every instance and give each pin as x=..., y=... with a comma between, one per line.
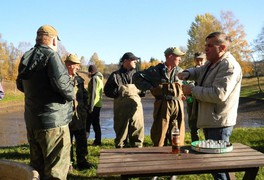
x=245, y=119
x=13, y=132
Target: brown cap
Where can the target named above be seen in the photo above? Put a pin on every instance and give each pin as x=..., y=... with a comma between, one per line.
x=48, y=30
x=72, y=58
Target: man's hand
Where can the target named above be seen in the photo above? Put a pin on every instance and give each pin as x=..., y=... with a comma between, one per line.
x=183, y=75
x=187, y=89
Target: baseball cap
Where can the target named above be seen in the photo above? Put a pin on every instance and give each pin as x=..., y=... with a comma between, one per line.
x=199, y=55
x=129, y=55
x=73, y=58
x=48, y=30
x=173, y=50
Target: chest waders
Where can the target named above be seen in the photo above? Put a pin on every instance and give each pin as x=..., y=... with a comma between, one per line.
x=128, y=117
x=167, y=108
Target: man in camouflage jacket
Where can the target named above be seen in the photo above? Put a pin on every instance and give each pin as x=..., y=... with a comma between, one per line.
x=78, y=124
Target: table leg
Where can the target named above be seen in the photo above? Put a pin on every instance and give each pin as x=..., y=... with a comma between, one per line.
x=251, y=173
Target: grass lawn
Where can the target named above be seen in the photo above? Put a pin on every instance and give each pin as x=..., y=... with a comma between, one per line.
x=252, y=89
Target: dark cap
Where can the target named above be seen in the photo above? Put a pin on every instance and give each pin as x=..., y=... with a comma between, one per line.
x=128, y=55
x=199, y=55
x=173, y=50
x=92, y=69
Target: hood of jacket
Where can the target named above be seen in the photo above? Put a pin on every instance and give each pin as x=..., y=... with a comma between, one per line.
x=98, y=74
x=33, y=60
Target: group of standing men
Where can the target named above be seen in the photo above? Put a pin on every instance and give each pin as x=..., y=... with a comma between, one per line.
x=55, y=97
x=215, y=95
x=57, y=106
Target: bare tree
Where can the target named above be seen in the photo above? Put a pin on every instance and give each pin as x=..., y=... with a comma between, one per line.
x=258, y=47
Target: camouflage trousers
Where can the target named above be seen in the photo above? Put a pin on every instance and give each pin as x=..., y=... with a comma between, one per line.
x=50, y=152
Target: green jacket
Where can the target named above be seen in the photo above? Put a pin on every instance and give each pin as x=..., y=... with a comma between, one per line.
x=44, y=79
x=154, y=76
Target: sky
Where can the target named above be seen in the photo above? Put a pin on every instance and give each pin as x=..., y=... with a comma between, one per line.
x=113, y=27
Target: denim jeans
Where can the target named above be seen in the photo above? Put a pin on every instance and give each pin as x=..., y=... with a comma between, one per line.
x=219, y=134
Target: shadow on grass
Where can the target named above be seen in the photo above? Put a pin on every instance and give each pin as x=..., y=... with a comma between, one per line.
x=257, y=145
x=20, y=152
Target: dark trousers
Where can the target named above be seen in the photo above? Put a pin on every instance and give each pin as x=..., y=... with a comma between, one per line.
x=81, y=145
x=93, y=119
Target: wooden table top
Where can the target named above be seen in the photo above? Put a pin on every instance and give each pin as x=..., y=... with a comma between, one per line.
x=160, y=161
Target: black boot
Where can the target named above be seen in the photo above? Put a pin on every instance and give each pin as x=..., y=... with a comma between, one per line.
x=84, y=165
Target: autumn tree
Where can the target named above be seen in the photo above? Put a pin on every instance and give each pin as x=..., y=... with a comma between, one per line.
x=152, y=62
x=199, y=30
x=239, y=46
x=97, y=62
x=206, y=24
x=14, y=56
x=4, y=54
x=109, y=69
x=83, y=64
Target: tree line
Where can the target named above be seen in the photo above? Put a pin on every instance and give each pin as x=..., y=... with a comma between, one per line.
x=249, y=56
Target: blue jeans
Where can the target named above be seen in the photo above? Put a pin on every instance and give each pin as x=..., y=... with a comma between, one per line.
x=219, y=134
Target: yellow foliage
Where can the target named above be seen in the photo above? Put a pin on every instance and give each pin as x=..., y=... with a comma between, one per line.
x=145, y=65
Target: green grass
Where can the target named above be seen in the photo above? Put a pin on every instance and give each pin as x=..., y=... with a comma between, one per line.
x=250, y=88
x=252, y=137
x=12, y=98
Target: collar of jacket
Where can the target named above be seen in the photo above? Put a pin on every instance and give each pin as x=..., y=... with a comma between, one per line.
x=123, y=70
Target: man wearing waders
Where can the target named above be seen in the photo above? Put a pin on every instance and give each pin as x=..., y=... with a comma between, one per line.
x=128, y=111
x=164, y=85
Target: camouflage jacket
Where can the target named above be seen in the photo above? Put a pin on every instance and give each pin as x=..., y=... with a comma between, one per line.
x=79, y=104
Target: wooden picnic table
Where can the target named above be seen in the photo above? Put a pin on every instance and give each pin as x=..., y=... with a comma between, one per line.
x=159, y=161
